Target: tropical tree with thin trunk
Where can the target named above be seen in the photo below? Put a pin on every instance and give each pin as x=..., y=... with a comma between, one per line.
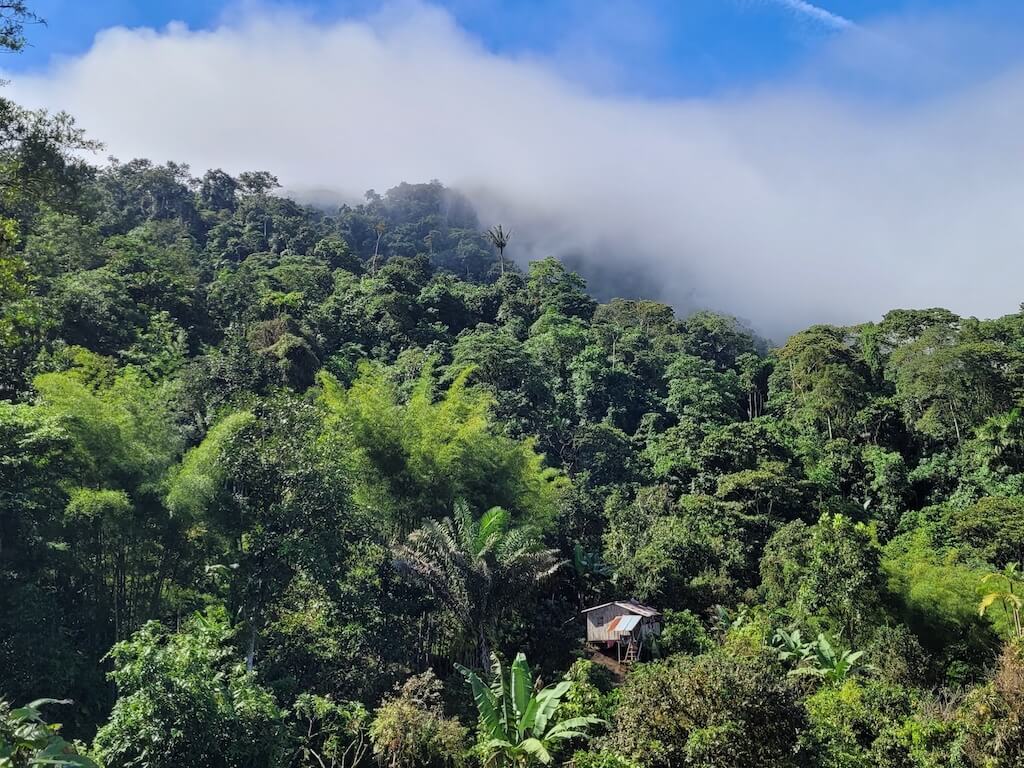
x=477, y=568
x=380, y=228
x=499, y=238
x=1008, y=598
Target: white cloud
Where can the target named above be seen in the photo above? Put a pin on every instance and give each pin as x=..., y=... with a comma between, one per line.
x=787, y=206
x=817, y=13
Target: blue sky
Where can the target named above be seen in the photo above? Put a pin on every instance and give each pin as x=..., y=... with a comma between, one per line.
x=646, y=47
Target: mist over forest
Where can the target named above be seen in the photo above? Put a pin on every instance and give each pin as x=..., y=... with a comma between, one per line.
x=787, y=202
x=609, y=273
x=613, y=451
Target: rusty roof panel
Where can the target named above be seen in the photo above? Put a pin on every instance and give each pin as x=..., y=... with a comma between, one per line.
x=628, y=623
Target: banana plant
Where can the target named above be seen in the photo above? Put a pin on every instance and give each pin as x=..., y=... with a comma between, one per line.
x=723, y=620
x=828, y=664
x=517, y=724
x=790, y=645
x=817, y=658
x=588, y=564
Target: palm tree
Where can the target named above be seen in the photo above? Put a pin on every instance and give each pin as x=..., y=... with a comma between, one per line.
x=477, y=568
x=499, y=238
x=517, y=723
x=1010, y=601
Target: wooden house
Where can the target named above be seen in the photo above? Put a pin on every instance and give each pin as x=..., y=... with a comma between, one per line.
x=625, y=625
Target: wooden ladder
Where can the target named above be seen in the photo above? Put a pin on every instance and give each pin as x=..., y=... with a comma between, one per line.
x=632, y=652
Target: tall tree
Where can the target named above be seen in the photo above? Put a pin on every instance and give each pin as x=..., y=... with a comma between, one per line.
x=479, y=569
x=499, y=239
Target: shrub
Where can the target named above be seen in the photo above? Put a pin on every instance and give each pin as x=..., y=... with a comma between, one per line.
x=719, y=709
x=329, y=734
x=410, y=729
x=995, y=714
x=683, y=632
x=185, y=700
x=28, y=741
x=591, y=691
x=847, y=720
x=602, y=759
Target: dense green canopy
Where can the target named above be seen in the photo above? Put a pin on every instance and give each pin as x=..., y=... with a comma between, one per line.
x=270, y=474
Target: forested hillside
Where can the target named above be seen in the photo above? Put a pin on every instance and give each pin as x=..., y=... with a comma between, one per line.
x=274, y=479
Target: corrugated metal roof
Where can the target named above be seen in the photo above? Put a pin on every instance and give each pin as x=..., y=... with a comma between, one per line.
x=630, y=605
x=594, y=607
x=635, y=607
x=624, y=623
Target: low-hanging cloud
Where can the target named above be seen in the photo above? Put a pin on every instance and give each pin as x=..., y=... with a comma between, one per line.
x=785, y=206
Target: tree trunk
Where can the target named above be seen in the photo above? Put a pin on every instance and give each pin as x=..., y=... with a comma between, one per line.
x=250, y=654
x=484, y=649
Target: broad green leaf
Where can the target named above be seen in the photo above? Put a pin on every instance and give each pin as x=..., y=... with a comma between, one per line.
x=537, y=749
x=573, y=723
x=564, y=735
x=498, y=744
x=521, y=684
x=41, y=702
x=528, y=720
x=986, y=602
x=550, y=700
x=486, y=703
